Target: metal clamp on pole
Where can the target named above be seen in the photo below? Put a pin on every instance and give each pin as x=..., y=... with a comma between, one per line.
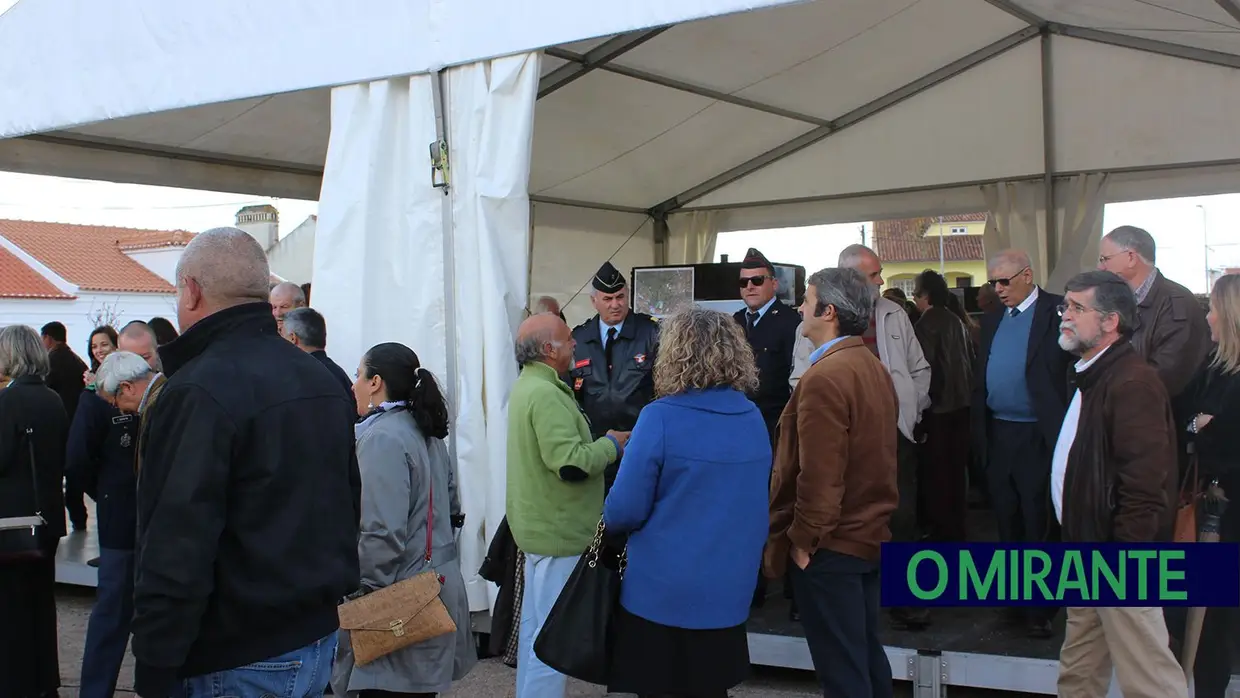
x=440, y=170
x=439, y=165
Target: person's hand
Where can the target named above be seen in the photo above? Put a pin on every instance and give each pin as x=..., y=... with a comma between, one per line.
x=621, y=437
x=88, y=377
x=1203, y=420
x=800, y=557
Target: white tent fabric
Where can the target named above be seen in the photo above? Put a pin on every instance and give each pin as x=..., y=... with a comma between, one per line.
x=657, y=124
x=398, y=260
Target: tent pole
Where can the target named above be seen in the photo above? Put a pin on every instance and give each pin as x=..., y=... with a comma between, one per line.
x=1051, y=244
x=438, y=93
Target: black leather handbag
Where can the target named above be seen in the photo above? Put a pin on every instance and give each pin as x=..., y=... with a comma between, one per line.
x=20, y=535
x=576, y=639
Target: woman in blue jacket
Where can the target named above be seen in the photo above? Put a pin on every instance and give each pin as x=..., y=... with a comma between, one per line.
x=692, y=495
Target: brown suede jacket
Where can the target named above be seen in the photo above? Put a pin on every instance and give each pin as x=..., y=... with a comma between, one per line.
x=1120, y=482
x=834, y=480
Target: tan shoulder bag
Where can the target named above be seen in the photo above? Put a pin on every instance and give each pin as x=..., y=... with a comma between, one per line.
x=401, y=615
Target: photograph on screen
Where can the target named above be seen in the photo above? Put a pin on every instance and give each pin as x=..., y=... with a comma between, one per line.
x=661, y=292
x=787, y=277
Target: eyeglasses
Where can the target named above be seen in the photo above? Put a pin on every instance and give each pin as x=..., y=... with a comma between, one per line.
x=1075, y=308
x=1006, y=281
x=1104, y=258
x=755, y=280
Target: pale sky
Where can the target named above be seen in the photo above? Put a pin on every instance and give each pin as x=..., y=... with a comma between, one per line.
x=55, y=199
x=1176, y=224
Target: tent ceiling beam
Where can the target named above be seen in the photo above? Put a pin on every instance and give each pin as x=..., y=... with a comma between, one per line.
x=1162, y=48
x=670, y=83
x=1010, y=7
x=131, y=148
x=851, y=118
x=593, y=59
x=1231, y=7
x=588, y=204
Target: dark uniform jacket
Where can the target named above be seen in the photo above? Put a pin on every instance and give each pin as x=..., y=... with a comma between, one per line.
x=614, y=401
x=100, y=454
x=772, y=340
x=28, y=403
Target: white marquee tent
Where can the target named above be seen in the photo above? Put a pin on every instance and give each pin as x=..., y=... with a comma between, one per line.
x=642, y=130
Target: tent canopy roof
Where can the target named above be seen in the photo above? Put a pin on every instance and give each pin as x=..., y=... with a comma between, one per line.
x=794, y=102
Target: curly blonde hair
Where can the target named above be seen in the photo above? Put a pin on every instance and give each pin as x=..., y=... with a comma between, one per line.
x=701, y=349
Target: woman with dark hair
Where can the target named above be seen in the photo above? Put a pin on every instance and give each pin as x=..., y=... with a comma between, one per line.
x=410, y=508
x=102, y=342
x=163, y=329
x=948, y=345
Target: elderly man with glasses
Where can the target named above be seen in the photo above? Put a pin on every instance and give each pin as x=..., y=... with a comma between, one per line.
x=1019, y=400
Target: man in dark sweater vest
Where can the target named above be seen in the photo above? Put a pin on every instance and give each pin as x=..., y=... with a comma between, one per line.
x=1020, y=396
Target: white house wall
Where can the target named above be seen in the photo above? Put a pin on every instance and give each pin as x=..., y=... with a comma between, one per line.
x=78, y=315
x=292, y=258
x=1117, y=108
x=160, y=261
x=570, y=244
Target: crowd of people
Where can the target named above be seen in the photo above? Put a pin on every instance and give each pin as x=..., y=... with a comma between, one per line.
x=246, y=486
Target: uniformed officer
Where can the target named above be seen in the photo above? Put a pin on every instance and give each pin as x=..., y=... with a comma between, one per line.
x=771, y=326
x=613, y=366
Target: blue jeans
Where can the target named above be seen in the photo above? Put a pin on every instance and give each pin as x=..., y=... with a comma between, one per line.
x=544, y=580
x=107, y=633
x=302, y=673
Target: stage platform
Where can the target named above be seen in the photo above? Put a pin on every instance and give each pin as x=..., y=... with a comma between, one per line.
x=967, y=647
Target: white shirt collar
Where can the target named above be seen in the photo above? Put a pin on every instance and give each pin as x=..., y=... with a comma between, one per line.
x=1082, y=365
x=761, y=311
x=1028, y=302
x=603, y=327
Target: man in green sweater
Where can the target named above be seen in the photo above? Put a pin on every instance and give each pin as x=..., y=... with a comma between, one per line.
x=555, y=485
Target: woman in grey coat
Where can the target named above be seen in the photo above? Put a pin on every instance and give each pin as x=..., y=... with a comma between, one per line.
x=405, y=475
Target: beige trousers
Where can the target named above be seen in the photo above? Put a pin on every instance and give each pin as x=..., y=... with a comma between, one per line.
x=1133, y=641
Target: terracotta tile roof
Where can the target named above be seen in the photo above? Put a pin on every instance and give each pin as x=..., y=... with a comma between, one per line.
x=905, y=240
x=92, y=256
x=17, y=280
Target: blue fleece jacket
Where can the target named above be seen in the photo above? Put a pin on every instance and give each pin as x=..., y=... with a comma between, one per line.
x=692, y=492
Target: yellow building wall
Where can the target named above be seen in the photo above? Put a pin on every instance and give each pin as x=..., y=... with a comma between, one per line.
x=975, y=271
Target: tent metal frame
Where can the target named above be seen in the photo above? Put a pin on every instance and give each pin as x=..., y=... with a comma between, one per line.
x=603, y=58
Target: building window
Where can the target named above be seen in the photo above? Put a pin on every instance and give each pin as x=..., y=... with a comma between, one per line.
x=959, y=230
x=907, y=286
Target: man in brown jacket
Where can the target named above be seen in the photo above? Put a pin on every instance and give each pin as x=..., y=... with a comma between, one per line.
x=1169, y=329
x=833, y=488
x=1113, y=480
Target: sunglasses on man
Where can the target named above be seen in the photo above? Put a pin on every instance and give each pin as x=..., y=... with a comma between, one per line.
x=755, y=280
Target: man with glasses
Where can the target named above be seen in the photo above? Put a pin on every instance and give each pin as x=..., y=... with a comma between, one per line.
x=1170, y=329
x=1019, y=400
x=1113, y=481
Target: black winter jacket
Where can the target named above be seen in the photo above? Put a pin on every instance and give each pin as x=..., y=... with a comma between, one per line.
x=100, y=455
x=249, y=502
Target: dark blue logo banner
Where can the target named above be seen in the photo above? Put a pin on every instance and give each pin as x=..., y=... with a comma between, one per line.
x=1060, y=574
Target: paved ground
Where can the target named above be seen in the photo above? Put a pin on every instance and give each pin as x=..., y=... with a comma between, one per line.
x=491, y=679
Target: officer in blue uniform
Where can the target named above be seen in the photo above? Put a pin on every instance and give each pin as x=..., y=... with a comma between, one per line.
x=613, y=367
x=771, y=327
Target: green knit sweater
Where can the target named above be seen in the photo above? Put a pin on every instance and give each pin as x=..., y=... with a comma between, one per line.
x=547, y=431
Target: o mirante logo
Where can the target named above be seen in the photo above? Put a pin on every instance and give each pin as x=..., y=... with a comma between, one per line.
x=990, y=574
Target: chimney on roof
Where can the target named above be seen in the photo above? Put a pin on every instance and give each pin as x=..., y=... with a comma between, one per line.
x=262, y=223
